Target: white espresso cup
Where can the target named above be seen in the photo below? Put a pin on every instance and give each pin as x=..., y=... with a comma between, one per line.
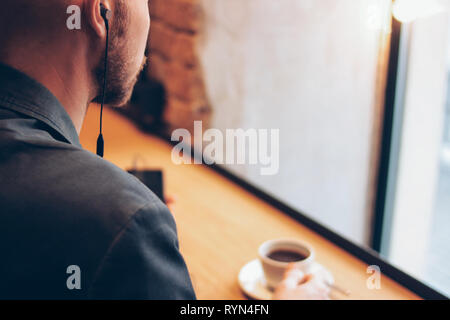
x=276, y=255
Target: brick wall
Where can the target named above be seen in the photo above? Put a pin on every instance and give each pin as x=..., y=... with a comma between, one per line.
x=174, y=37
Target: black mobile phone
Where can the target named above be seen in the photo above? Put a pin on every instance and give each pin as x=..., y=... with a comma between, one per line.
x=153, y=179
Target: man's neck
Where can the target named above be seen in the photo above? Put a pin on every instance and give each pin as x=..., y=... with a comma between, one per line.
x=67, y=80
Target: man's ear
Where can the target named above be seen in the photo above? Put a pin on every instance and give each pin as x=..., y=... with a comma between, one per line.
x=94, y=17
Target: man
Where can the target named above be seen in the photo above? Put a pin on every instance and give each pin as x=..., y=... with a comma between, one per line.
x=72, y=225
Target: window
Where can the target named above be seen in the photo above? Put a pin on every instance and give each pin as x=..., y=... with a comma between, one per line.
x=316, y=71
x=416, y=228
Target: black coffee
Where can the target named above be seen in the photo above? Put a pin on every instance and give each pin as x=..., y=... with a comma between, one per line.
x=286, y=256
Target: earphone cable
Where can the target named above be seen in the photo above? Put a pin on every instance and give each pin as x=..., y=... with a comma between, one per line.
x=100, y=142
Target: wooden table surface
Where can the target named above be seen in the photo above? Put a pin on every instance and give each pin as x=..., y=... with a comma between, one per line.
x=221, y=225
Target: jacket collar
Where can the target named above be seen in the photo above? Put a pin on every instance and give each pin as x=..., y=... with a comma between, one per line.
x=22, y=94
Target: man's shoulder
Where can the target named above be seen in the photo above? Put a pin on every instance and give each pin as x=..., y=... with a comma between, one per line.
x=100, y=183
x=62, y=205
x=63, y=179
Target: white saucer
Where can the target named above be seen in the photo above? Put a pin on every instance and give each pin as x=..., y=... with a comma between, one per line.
x=252, y=282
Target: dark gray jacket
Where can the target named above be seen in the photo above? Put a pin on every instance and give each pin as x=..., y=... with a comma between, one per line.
x=63, y=206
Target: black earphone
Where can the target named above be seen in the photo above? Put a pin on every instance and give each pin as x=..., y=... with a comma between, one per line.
x=106, y=15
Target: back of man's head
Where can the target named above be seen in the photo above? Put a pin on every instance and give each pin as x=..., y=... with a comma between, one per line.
x=35, y=33
x=26, y=20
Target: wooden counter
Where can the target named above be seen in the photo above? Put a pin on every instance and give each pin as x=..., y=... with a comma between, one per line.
x=221, y=225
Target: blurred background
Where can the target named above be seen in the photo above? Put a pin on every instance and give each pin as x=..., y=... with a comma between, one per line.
x=360, y=90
